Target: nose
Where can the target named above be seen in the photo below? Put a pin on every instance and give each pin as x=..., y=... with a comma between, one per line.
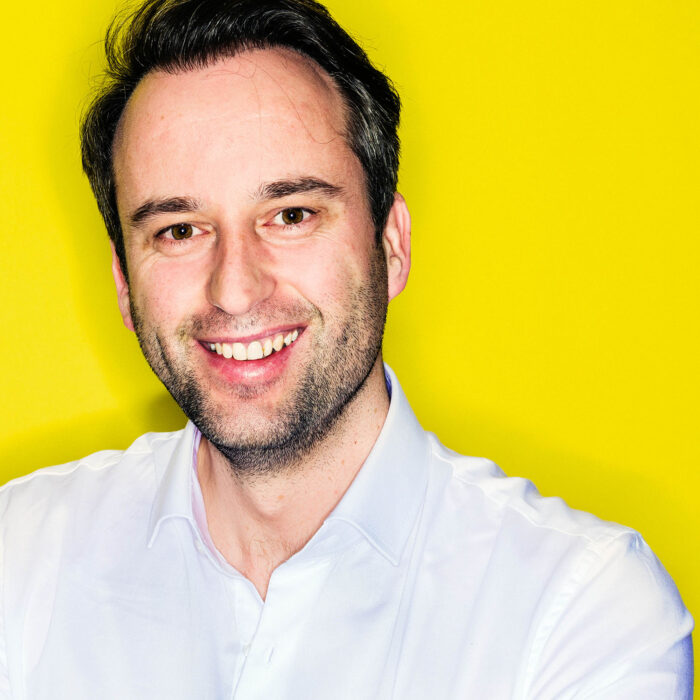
x=241, y=275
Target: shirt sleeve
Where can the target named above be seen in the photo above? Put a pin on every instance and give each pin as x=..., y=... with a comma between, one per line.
x=4, y=677
x=617, y=630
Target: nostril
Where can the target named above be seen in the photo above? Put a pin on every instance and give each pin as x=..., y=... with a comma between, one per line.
x=240, y=278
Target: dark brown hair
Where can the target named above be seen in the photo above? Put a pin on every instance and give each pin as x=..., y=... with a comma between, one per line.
x=180, y=35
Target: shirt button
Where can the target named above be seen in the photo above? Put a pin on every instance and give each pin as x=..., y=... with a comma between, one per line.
x=246, y=649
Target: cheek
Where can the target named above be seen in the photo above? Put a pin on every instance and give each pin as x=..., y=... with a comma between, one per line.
x=324, y=272
x=166, y=291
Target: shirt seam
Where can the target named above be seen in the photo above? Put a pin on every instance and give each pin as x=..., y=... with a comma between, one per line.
x=587, y=560
x=608, y=534
x=54, y=471
x=637, y=542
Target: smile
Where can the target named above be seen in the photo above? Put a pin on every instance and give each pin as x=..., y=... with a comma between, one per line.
x=255, y=350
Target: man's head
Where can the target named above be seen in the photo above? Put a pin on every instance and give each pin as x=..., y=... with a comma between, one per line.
x=260, y=258
x=180, y=35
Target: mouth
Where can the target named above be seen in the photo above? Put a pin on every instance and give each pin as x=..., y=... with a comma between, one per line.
x=255, y=350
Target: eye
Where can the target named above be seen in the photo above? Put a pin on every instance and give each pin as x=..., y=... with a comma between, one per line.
x=292, y=216
x=180, y=232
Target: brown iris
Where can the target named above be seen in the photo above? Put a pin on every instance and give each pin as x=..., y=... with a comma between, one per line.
x=294, y=215
x=181, y=231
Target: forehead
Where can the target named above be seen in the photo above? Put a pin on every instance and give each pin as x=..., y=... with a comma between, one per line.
x=260, y=115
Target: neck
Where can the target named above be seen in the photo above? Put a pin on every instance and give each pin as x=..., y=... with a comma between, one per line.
x=257, y=521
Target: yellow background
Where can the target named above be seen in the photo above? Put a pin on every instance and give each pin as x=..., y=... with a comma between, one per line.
x=551, y=158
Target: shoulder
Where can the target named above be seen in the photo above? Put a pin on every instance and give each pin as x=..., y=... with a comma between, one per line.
x=544, y=529
x=599, y=607
x=514, y=501
x=108, y=475
x=560, y=549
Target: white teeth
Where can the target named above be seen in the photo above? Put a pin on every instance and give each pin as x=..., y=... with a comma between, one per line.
x=255, y=351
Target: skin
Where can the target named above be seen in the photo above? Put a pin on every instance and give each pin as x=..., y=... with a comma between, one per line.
x=214, y=139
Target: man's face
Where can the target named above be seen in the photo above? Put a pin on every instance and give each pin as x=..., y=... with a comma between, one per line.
x=247, y=233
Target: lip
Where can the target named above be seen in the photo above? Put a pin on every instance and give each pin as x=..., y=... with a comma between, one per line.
x=246, y=339
x=251, y=373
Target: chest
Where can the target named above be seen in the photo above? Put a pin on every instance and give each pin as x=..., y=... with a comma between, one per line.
x=175, y=626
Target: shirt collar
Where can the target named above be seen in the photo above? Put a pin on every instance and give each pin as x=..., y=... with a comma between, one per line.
x=386, y=496
x=176, y=470
x=382, y=502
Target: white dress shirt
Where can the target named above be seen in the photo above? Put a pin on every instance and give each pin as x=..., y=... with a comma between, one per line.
x=435, y=578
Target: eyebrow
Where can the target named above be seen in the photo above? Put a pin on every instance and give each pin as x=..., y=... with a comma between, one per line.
x=168, y=205
x=269, y=190
x=285, y=188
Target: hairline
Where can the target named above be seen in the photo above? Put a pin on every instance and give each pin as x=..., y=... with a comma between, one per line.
x=176, y=68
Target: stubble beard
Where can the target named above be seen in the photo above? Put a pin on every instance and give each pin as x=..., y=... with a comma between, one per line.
x=331, y=380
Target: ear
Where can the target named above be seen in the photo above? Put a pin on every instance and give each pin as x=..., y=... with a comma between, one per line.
x=396, y=240
x=122, y=289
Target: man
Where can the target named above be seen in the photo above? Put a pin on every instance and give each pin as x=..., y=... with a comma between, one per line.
x=302, y=537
